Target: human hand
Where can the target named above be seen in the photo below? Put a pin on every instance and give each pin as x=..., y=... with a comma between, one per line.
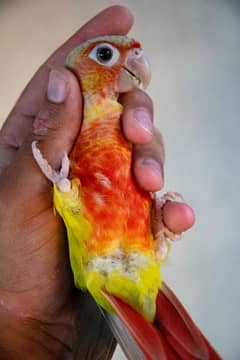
x=36, y=288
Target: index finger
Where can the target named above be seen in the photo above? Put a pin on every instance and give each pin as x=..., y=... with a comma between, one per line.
x=115, y=20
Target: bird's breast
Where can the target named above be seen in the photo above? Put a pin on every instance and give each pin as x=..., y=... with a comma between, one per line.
x=118, y=209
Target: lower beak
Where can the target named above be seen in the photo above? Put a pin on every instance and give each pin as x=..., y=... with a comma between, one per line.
x=135, y=71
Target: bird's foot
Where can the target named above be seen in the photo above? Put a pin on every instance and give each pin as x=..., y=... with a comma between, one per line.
x=59, y=178
x=162, y=235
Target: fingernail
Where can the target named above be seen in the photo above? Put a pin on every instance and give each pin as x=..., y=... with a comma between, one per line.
x=144, y=120
x=57, y=87
x=153, y=164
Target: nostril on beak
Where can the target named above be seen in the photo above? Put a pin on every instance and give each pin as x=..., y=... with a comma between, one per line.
x=138, y=52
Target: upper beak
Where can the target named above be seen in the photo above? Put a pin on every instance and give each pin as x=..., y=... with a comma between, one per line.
x=135, y=71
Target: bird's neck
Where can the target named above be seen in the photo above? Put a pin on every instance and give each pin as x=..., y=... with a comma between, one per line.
x=100, y=105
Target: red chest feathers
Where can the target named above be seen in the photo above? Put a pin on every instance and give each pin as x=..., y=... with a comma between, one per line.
x=112, y=200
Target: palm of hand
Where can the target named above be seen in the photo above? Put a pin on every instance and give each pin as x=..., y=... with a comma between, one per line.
x=37, y=261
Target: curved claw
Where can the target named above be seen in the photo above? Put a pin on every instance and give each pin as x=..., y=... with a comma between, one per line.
x=58, y=178
x=65, y=166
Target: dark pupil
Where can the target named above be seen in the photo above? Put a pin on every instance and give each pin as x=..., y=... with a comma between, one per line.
x=104, y=54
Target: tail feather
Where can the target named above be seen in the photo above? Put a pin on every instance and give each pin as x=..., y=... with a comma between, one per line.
x=213, y=355
x=178, y=328
x=123, y=336
x=173, y=335
x=144, y=333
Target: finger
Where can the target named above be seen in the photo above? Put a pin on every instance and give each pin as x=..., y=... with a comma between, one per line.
x=55, y=128
x=137, y=123
x=137, y=118
x=58, y=123
x=148, y=161
x=178, y=217
x=113, y=20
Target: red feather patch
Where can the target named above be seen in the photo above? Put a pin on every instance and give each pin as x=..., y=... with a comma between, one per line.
x=172, y=336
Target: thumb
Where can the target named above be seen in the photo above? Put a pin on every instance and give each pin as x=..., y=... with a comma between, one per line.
x=55, y=128
x=58, y=123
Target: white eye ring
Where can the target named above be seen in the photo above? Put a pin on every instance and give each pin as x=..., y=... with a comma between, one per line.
x=104, y=54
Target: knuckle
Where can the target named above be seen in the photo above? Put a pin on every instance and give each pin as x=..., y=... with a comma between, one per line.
x=137, y=99
x=48, y=120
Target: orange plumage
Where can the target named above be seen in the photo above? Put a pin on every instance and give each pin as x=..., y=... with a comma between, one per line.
x=119, y=210
x=113, y=251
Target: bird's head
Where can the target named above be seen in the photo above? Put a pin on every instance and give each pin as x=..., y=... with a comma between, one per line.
x=116, y=63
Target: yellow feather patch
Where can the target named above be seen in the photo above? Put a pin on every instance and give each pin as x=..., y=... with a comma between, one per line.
x=137, y=286
x=79, y=229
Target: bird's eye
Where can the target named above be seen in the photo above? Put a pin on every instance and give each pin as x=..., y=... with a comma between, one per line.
x=105, y=54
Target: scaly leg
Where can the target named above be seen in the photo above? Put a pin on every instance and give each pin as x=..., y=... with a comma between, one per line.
x=59, y=178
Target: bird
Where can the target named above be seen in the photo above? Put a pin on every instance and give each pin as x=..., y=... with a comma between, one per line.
x=114, y=252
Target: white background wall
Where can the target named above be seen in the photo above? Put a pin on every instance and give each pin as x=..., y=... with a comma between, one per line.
x=194, y=49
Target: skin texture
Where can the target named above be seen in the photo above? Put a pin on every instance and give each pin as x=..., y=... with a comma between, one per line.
x=38, y=302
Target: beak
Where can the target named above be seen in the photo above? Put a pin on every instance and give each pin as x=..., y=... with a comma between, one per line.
x=135, y=71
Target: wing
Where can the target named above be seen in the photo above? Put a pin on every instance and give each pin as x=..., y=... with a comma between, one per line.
x=70, y=208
